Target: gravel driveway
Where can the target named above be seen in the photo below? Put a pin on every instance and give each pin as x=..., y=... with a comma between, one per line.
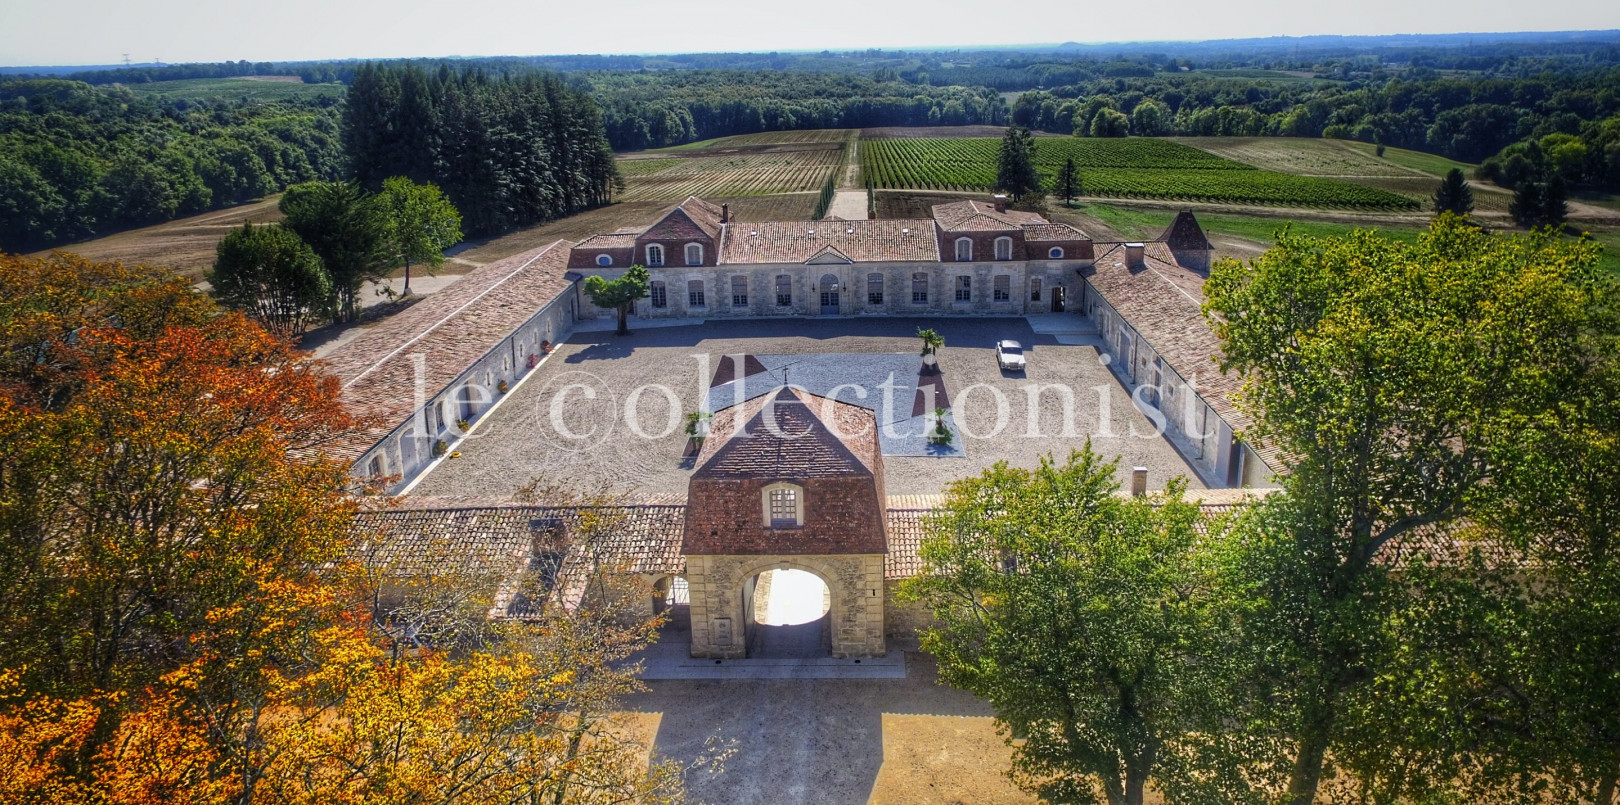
x=614, y=394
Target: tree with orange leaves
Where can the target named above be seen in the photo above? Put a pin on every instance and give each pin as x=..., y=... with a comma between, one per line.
x=177, y=623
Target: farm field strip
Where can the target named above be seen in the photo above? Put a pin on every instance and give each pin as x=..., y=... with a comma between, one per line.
x=729, y=175
x=1123, y=168
x=1300, y=155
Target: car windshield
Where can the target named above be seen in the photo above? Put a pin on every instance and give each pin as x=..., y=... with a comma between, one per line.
x=1011, y=348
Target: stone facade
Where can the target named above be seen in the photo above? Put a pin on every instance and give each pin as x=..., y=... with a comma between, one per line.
x=721, y=588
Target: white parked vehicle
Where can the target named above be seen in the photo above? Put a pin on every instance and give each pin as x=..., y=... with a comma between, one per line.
x=1010, y=354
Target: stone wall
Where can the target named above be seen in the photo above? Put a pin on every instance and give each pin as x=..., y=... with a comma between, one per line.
x=719, y=608
x=805, y=281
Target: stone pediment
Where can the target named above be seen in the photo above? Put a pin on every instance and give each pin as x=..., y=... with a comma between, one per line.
x=828, y=256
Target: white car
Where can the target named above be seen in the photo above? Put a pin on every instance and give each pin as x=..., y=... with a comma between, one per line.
x=1010, y=354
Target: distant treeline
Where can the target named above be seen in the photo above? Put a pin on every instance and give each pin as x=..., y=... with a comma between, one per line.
x=1465, y=118
x=508, y=150
x=651, y=110
x=77, y=160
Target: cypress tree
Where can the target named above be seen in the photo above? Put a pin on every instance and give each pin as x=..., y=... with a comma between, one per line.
x=1015, y=174
x=1454, y=195
x=1067, y=182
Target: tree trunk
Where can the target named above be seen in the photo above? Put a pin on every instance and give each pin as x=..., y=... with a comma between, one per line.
x=624, y=316
x=1307, y=772
x=407, y=291
x=1605, y=791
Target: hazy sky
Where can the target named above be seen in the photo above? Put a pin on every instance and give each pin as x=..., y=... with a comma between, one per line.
x=62, y=32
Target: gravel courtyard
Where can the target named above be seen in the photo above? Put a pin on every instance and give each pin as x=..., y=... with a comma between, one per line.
x=598, y=413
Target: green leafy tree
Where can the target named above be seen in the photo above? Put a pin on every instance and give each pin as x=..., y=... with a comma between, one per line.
x=619, y=294
x=1110, y=123
x=1454, y=195
x=348, y=230
x=1066, y=184
x=1015, y=167
x=1090, y=623
x=1398, y=378
x=273, y=275
x=422, y=223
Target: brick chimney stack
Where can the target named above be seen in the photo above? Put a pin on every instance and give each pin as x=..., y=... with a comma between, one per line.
x=725, y=213
x=1138, y=481
x=1133, y=254
x=1000, y=200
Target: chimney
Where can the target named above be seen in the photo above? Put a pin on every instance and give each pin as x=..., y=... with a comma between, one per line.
x=1138, y=481
x=725, y=213
x=1133, y=254
x=1000, y=200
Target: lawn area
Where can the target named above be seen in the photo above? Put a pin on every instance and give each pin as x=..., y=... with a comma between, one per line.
x=1432, y=164
x=1133, y=222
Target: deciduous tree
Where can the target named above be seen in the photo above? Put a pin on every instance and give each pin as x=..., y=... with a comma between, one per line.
x=422, y=223
x=1396, y=377
x=619, y=294
x=272, y=275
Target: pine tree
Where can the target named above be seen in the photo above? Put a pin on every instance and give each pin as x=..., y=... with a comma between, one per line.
x=1526, y=205
x=1016, y=174
x=1067, y=182
x=1454, y=194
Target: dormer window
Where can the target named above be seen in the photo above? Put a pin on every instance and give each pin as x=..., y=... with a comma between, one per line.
x=964, y=249
x=694, y=254
x=655, y=255
x=784, y=505
x=1003, y=248
x=1056, y=253
x=604, y=260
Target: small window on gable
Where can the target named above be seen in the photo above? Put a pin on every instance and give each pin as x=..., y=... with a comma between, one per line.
x=655, y=255
x=694, y=254
x=964, y=249
x=604, y=260
x=1056, y=253
x=784, y=505
x=1003, y=248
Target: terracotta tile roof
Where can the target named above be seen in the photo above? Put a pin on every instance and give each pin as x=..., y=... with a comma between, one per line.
x=1184, y=233
x=1163, y=301
x=703, y=213
x=451, y=329
x=977, y=216
x=638, y=538
x=617, y=240
x=692, y=218
x=800, y=445
x=799, y=241
x=1036, y=233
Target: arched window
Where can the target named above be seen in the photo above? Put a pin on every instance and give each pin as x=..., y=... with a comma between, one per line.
x=655, y=255
x=784, y=290
x=604, y=260
x=783, y=505
x=657, y=293
x=1056, y=253
x=964, y=249
x=694, y=254
x=1001, y=288
x=694, y=294
x=1003, y=248
x=919, y=288
x=739, y=290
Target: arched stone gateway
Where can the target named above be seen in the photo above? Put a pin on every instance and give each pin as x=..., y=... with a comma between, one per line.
x=787, y=492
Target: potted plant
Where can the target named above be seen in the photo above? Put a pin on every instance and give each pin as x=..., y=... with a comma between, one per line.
x=697, y=425
x=534, y=360
x=940, y=435
x=439, y=448
x=462, y=423
x=545, y=347
x=501, y=387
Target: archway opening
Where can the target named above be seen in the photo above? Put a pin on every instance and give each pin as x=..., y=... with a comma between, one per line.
x=788, y=614
x=672, y=599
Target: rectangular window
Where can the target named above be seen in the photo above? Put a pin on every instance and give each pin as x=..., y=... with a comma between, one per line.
x=1002, y=288
x=964, y=289
x=694, y=294
x=874, y=289
x=656, y=292
x=919, y=289
x=739, y=291
x=784, y=290
x=1034, y=289
x=784, y=508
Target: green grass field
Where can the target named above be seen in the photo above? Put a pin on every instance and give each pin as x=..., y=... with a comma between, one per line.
x=1145, y=168
x=1432, y=164
x=1133, y=222
x=203, y=88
